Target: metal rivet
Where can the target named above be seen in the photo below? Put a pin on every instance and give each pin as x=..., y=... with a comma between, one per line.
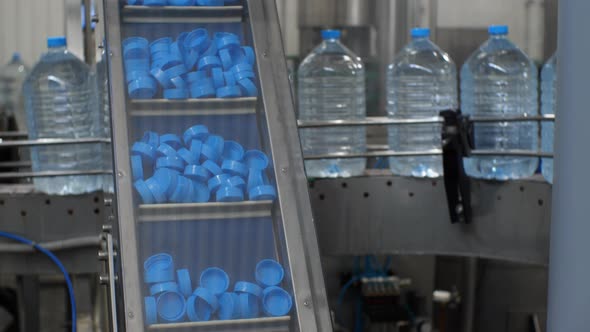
x=120, y=174
x=265, y=54
x=284, y=169
x=130, y=314
x=111, y=54
x=306, y=303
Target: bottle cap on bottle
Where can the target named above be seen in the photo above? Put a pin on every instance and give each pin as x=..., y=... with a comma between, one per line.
x=420, y=32
x=56, y=41
x=16, y=56
x=330, y=34
x=498, y=30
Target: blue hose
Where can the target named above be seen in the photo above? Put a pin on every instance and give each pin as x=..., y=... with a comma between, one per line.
x=57, y=262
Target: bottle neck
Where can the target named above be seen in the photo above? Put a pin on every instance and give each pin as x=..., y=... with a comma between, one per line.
x=498, y=36
x=57, y=49
x=420, y=38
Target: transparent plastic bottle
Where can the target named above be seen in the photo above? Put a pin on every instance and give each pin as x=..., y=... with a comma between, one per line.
x=12, y=76
x=421, y=82
x=500, y=80
x=104, y=108
x=548, y=107
x=331, y=86
x=61, y=102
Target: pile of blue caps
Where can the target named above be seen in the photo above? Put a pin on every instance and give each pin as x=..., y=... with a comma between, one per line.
x=173, y=299
x=212, y=3
x=195, y=65
x=198, y=168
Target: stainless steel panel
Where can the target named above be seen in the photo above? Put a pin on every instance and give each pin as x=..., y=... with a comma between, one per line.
x=313, y=13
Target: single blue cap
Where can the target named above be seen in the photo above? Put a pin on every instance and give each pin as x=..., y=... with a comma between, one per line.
x=197, y=173
x=151, y=310
x=233, y=167
x=230, y=79
x=212, y=167
x=165, y=150
x=247, y=287
x=240, y=67
x=232, y=150
x=228, y=306
x=176, y=70
x=217, y=181
x=198, y=132
x=167, y=178
x=174, y=163
x=211, y=50
x=420, y=32
x=217, y=75
x=196, y=76
x=202, y=91
x=134, y=75
x=157, y=190
x=183, y=192
x=249, y=307
x=209, y=153
x=195, y=147
x=498, y=30
x=215, y=280
x=59, y=41
x=238, y=56
x=201, y=305
x=228, y=41
x=197, y=39
x=179, y=83
x=229, y=194
x=169, y=286
x=172, y=140
x=142, y=88
x=175, y=94
x=209, y=62
x=171, y=306
x=237, y=181
x=141, y=65
x=216, y=142
x=135, y=48
x=276, y=301
x=262, y=193
x=248, y=87
x=16, y=56
x=256, y=178
x=244, y=75
x=161, y=77
x=158, y=268
x=144, y=192
x=269, y=273
x=229, y=92
x=256, y=159
x=184, y=282
x=249, y=53
x=201, y=193
x=187, y=156
x=330, y=34
x=137, y=168
x=226, y=59
x=160, y=45
x=152, y=138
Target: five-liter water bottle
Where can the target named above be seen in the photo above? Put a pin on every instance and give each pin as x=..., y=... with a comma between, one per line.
x=12, y=76
x=331, y=86
x=104, y=109
x=421, y=82
x=61, y=102
x=548, y=107
x=499, y=80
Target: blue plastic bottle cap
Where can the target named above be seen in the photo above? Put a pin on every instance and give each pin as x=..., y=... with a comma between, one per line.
x=217, y=181
x=230, y=79
x=195, y=148
x=171, y=306
x=212, y=167
x=255, y=178
x=142, y=88
x=158, y=268
x=240, y=67
x=248, y=87
x=174, y=163
x=276, y=301
x=215, y=142
x=174, y=71
x=156, y=189
x=135, y=75
x=249, y=307
x=232, y=150
x=154, y=2
x=175, y=51
x=197, y=39
x=215, y=280
x=202, y=91
x=201, y=193
x=226, y=59
x=197, y=173
x=158, y=63
x=236, y=181
x=176, y=94
x=57, y=41
x=212, y=3
x=196, y=76
x=167, y=178
x=244, y=75
x=229, y=92
x=184, y=282
x=161, y=45
x=420, y=32
x=146, y=151
x=229, y=194
x=151, y=310
x=217, y=75
x=151, y=138
x=181, y=2
x=209, y=62
x=144, y=192
x=269, y=273
x=201, y=305
x=191, y=57
x=135, y=48
x=165, y=150
x=330, y=34
x=160, y=56
x=233, y=167
x=187, y=156
x=498, y=30
x=136, y=65
x=198, y=132
x=262, y=193
x=181, y=38
x=172, y=140
x=161, y=77
x=137, y=168
x=249, y=53
x=179, y=83
x=227, y=41
x=247, y=287
x=211, y=50
x=169, y=286
x=209, y=153
x=256, y=159
x=183, y=192
x=228, y=306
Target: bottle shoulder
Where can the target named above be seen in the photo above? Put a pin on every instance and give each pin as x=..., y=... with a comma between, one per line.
x=424, y=58
x=331, y=62
x=499, y=57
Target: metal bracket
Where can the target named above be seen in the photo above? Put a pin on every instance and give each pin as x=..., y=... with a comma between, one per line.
x=109, y=279
x=456, y=143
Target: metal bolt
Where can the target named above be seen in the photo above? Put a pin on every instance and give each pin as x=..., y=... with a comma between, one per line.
x=111, y=217
x=130, y=314
x=111, y=54
x=120, y=174
x=107, y=228
x=284, y=169
x=103, y=279
x=265, y=54
x=103, y=255
x=108, y=201
x=306, y=303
